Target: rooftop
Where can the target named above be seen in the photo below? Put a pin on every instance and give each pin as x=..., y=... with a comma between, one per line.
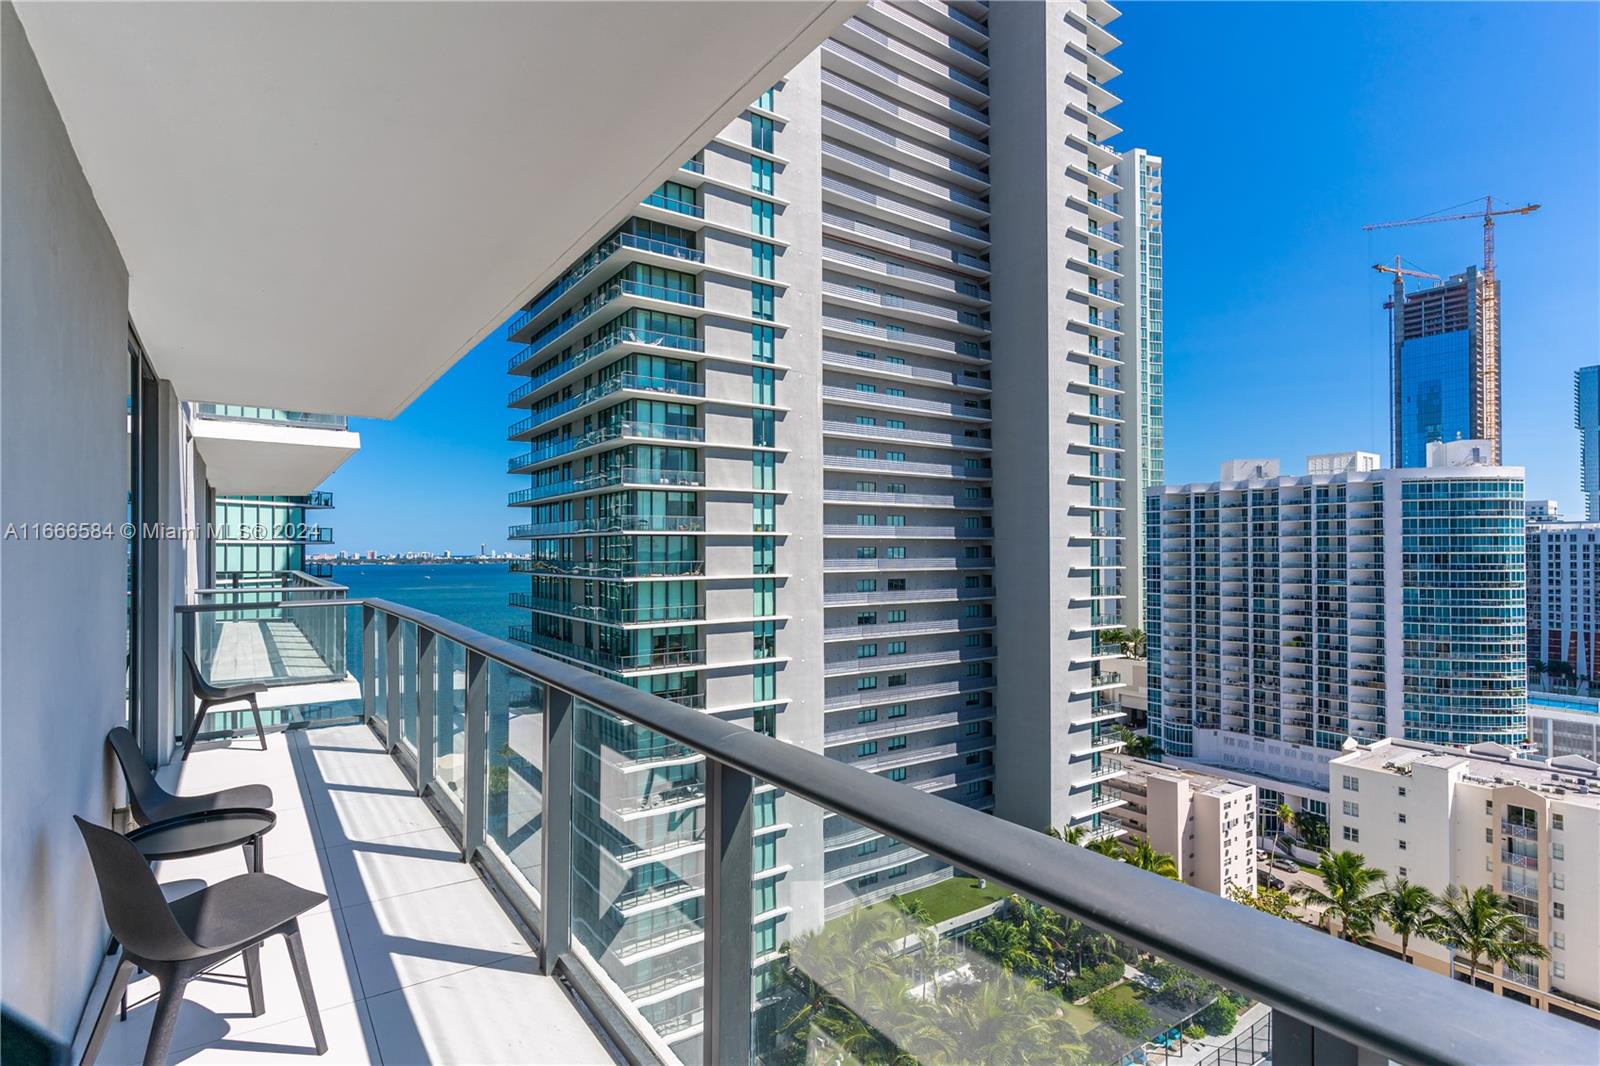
x=1197, y=780
x=1572, y=778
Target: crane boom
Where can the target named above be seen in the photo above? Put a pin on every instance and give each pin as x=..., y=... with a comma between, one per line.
x=1487, y=214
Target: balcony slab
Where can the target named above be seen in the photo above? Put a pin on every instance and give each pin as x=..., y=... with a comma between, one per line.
x=413, y=958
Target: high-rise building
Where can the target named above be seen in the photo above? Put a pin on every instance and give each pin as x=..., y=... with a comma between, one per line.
x=1289, y=614
x=770, y=441
x=1445, y=367
x=1144, y=455
x=1586, y=418
x=1485, y=818
x=1564, y=597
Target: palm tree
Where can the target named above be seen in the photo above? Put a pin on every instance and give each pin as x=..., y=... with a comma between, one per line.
x=1148, y=859
x=1115, y=635
x=1407, y=908
x=1005, y=944
x=1286, y=823
x=1072, y=834
x=1136, y=642
x=1346, y=880
x=1483, y=927
x=1108, y=847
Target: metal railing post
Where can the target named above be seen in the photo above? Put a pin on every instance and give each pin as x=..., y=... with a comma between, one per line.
x=391, y=680
x=369, y=664
x=427, y=692
x=730, y=864
x=475, y=806
x=1299, y=1043
x=190, y=635
x=555, y=869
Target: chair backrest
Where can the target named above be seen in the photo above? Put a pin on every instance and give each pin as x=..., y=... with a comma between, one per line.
x=145, y=794
x=134, y=907
x=202, y=687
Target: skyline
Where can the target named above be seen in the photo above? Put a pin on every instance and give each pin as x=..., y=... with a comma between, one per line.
x=1241, y=286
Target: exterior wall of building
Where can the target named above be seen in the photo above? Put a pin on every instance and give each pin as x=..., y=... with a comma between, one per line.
x=1292, y=613
x=1564, y=595
x=1058, y=411
x=1586, y=419
x=884, y=298
x=1144, y=454
x=64, y=388
x=1529, y=831
x=1555, y=730
x=1207, y=824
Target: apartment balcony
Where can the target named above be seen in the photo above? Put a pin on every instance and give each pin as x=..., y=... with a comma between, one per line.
x=607, y=614
x=269, y=451
x=413, y=958
x=627, y=339
x=619, y=251
x=599, y=438
x=617, y=523
x=1516, y=829
x=626, y=385
x=626, y=477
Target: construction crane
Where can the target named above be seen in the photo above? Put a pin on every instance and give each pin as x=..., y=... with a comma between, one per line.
x=1487, y=377
x=1488, y=215
x=1400, y=274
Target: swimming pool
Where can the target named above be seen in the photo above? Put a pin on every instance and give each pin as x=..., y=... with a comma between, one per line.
x=1564, y=703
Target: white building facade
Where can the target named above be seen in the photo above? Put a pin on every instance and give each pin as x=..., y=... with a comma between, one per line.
x=1206, y=822
x=1288, y=614
x=770, y=447
x=1485, y=818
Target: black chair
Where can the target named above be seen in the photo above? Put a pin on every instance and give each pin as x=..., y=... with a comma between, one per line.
x=210, y=695
x=180, y=940
x=152, y=803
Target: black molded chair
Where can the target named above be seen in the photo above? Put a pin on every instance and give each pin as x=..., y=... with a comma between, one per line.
x=178, y=941
x=152, y=803
x=210, y=695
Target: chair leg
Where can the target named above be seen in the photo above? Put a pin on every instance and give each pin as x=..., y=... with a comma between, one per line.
x=261, y=734
x=302, y=976
x=102, y=1021
x=165, y=1022
x=194, y=729
x=252, y=977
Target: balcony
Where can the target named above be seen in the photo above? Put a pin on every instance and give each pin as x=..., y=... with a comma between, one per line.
x=410, y=934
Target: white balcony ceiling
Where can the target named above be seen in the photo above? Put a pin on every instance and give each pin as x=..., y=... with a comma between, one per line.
x=270, y=459
x=323, y=206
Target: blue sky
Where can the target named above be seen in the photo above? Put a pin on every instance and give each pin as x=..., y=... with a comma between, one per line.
x=1284, y=127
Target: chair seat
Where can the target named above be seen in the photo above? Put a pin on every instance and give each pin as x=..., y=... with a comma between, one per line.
x=241, y=910
x=258, y=797
x=232, y=692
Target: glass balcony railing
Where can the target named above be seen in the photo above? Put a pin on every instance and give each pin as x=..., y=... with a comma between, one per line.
x=648, y=845
x=271, y=415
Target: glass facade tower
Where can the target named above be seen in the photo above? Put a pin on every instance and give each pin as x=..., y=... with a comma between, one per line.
x=1444, y=367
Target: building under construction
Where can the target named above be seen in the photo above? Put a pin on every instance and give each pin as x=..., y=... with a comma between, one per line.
x=1445, y=366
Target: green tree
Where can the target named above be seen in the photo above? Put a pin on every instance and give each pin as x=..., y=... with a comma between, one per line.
x=1148, y=859
x=1108, y=847
x=1137, y=642
x=1072, y=834
x=1005, y=944
x=1127, y=1016
x=1273, y=901
x=1482, y=926
x=1408, y=909
x=1313, y=830
x=1346, y=893
x=1286, y=823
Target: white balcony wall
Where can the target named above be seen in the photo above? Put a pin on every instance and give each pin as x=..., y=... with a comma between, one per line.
x=63, y=617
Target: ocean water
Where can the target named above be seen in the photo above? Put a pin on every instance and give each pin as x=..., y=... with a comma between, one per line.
x=469, y=594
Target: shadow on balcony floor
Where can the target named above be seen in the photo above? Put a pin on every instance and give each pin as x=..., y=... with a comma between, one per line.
x=413, y=959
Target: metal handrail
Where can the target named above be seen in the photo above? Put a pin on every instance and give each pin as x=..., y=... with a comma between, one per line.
x=1354, y=993
x=1318, y=982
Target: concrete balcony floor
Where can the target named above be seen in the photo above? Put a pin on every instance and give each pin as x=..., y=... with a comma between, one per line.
x=414, y=960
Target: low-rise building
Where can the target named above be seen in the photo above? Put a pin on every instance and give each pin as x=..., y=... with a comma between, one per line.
x=1485, y=816
x=1564, y=725
x=1205, y=822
